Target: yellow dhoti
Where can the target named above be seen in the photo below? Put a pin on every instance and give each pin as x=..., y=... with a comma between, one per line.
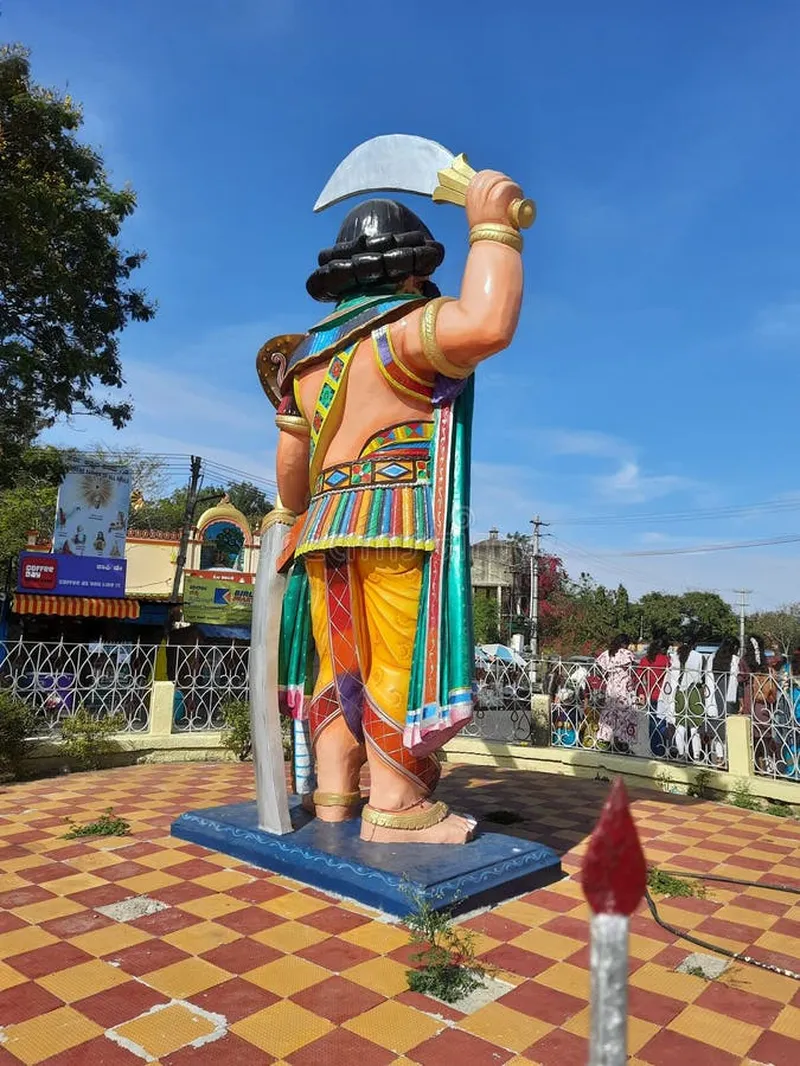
x=364, y=610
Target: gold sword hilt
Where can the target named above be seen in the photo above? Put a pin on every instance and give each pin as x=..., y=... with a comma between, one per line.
x=452, y=189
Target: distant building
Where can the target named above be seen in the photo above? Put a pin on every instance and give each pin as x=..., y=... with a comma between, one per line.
x=495, y=573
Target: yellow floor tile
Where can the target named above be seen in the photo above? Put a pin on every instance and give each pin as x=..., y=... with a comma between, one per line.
x=213, y=906
x=157, y=860
x=378, y=936
x=286, y=976
x=142, y=884
x=384, y=976
x=550, y=945
x=9, y=978
x=564, y=977
x=395, y=1026
x=110, y=938
x=285, y=882
x=282, y=1028
x=501, y=1025
x=161, y=1032
x=290, y=936
x=68, y=886
x=58, y=907
x=743, y=916
x=202, y=937
x=643, y=947
x=83, y=980
x=294, y=905
x=718, y=1030
x=788, y=1023
x=655, y=978
x=678, y=917
x=28, y=939
x=579, y=1023
x=186, y=978
x=525, y=913
x=780, y=942
x=760, y=982
x=24, y=862
x=94, y=860
x=224, y=881
x=11, y=882
x=57, y=1031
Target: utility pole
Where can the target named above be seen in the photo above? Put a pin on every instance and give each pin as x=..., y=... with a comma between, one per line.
x=533, y=607
x=742, y=594
x=188, y=518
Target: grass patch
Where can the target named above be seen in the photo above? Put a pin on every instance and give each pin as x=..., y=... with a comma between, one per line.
x=107, y=825
x=779, y=810
x=667, y=885
x=743, y=798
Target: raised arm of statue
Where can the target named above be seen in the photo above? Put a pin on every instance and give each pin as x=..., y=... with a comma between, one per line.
x=482, y=321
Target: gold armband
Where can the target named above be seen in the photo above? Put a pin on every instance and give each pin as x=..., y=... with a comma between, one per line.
x=279, y=513
x=293, y=424
x=430, y=346
x=496, y=231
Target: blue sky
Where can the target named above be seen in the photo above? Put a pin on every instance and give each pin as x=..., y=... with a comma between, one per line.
x=655, y=369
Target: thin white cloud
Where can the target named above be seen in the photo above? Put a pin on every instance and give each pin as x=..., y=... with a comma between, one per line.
x=587, y=442
x=629, y=484
x=779, y=323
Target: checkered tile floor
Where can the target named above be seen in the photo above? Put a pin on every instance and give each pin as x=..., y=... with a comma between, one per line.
x=240, y=966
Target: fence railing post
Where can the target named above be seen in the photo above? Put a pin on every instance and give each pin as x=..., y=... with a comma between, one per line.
x=162, y=702
x=740, y=745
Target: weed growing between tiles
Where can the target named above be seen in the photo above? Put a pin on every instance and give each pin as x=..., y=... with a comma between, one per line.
x=664, y=884
x=449, y=970
x=107, y=825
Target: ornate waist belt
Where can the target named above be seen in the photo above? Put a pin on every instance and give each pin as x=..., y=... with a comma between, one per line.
x=382, y=501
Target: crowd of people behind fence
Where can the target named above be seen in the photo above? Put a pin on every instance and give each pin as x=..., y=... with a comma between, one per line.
x=672, y=702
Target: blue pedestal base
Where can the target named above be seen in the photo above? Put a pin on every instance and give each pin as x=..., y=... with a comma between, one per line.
x=491, y=868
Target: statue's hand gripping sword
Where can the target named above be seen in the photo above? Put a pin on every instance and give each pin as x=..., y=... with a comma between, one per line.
x=401, y=162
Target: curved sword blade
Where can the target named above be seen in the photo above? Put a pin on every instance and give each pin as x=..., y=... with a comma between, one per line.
x=394, y=162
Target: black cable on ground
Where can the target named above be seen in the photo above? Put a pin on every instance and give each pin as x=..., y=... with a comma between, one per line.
x=736, y=956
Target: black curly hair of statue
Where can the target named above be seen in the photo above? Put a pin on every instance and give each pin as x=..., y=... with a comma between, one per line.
x=380, y=245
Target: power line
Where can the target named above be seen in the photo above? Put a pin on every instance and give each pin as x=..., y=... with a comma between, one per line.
x=701, y=549
x=767, y=506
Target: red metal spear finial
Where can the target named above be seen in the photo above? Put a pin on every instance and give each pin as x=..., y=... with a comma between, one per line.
x=614, y=869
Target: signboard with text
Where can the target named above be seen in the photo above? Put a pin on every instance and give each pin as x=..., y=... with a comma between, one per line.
x=70, y=575
x=215, y=601
x=92, y=511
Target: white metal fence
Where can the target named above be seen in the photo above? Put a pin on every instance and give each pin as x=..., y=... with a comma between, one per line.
x=206, y=678
x=58, y=679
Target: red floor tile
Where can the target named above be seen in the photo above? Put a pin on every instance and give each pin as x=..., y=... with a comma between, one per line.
x=652, y=1007
x=560, y=1048
x=191, y=869
x=75, y=924
x=236, y=999
x=551, y=901
x=337, y=999
x=516, y=960
x=21, y=897
x=145, y=957
x=119, y=1004
x=230, y=1049
x=9, y=922
x=502, y=929
x=241, y=955
x=167, y=921
x=454, y=1048
x=257, y=891
x=98, y=1052
x=48, y=960
x=729, y=930
x=336, y=955
x=25, y=1001
x=252, y=920
x=539, y=1001
x=673, y=1049
x=180, y=893
x=48, y=871
x=334, y=920
x=735, y=1003
x=341, y=1046
x=102, y=896
x=566, y=926
x=429, y=1006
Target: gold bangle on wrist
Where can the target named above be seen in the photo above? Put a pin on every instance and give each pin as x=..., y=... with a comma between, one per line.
x=278, y=514
x=430, y=346
x=293, y=424
x=496, y=231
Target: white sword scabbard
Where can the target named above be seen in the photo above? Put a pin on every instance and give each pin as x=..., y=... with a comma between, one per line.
x=272, y=796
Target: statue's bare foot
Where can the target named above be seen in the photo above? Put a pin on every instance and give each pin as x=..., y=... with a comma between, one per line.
x=426, y=823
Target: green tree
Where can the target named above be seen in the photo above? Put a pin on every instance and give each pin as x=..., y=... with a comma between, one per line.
x=64, y=293
x=661, y=614
x=706, y=616
x=251, y=501
x=780, y=628
x=486, y=619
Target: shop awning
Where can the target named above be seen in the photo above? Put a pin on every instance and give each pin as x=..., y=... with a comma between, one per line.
x=75, y=606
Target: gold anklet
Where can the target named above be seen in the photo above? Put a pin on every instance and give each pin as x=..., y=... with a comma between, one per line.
x=496, y=231
x=336, y=799
x=414, y=820
x=430, y=346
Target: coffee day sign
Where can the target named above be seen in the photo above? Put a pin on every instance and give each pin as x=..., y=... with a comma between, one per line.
x=92, y=511
x=215, y=601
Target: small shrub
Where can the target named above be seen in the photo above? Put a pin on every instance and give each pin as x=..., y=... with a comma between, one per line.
x=449, y=969
x=666, y=885
x=700, y=788
x=743, y=798
x=17, y=724
x=107, y=825
x=236, y=735
x=779, y=810
x=87, y=739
